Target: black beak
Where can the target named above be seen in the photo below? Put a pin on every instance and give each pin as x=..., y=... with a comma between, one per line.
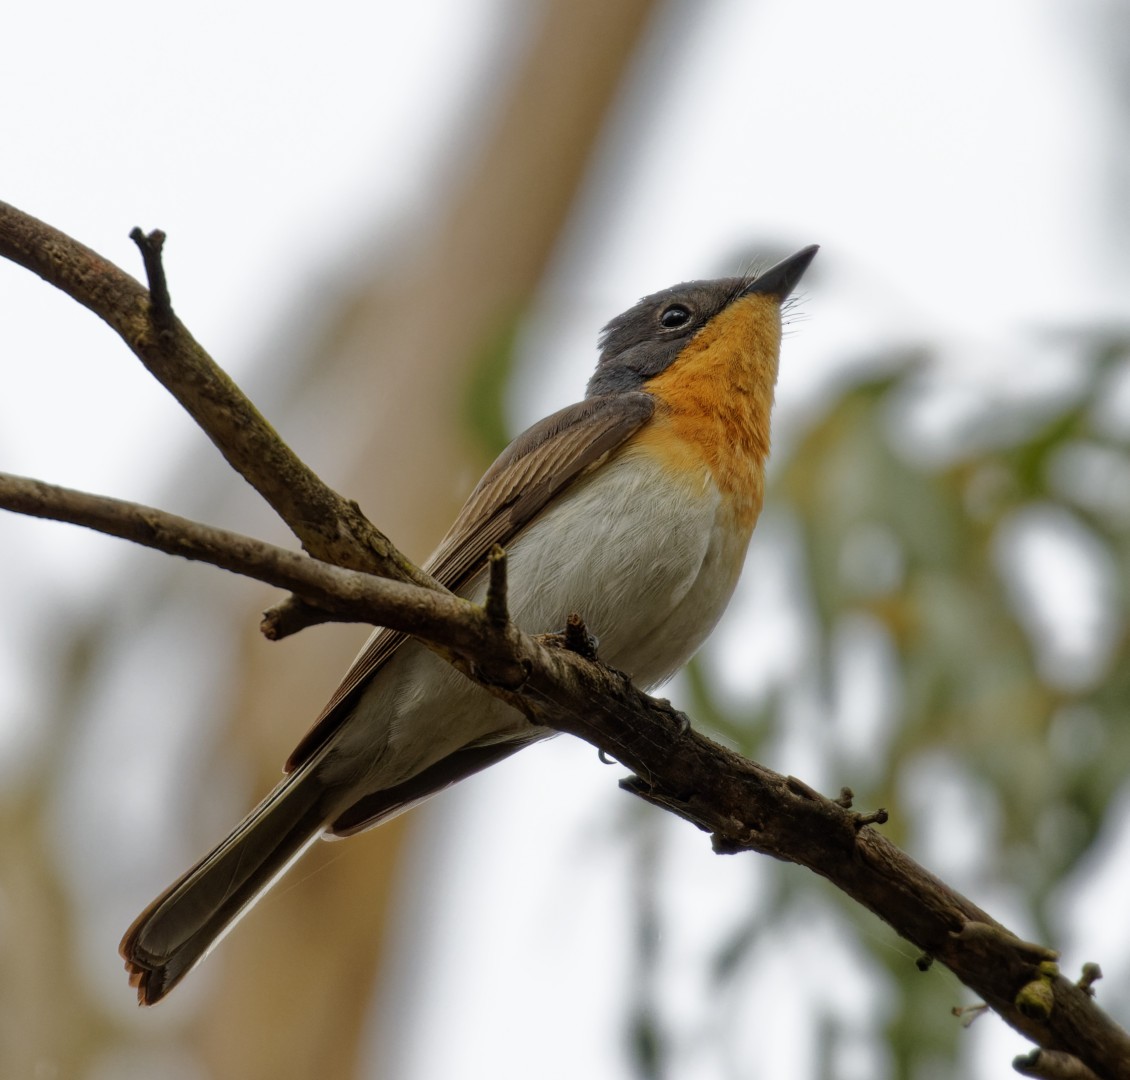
x=780, y=280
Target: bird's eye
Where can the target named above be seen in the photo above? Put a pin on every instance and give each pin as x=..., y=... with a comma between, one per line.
x=674, y=316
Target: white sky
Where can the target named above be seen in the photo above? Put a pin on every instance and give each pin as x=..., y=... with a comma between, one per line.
x=948, y=158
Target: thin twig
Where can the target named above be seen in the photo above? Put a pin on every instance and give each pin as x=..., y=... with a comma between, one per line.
x=161, y=304
x=290, y=616
x=329, y=526
x=496, y=603
x=347, y=595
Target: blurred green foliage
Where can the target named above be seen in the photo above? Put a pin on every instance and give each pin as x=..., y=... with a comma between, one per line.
x=1004, y=677
x=490, y=373
x=984, y=571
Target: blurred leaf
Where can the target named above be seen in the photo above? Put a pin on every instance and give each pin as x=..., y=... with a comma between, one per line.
x=922, y=549
x=484, y=399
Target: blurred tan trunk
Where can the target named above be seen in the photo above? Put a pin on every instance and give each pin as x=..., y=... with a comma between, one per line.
x=298, y=977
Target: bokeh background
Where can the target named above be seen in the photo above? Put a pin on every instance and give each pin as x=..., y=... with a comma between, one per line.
x=400, y=226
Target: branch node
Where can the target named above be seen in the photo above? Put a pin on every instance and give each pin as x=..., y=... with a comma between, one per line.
x=876, y=817
x=635, y=785
x=291, y=615
x=722, y=844
x=1091, y=975
x=577, y=637
x=973, y=931
x=269, y=624
x=152, y=246
x=799, y=787
x=847, y=797
x=1052, y=1065
x=495, y=604
x=1036, y=999
x=677, y=715
x=646, y=790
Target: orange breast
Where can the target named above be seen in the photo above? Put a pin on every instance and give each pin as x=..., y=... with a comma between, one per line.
x=714, y=403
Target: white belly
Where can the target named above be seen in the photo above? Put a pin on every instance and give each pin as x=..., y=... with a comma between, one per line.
x=649, y=568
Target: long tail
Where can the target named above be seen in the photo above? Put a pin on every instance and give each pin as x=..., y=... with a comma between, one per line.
x=182, y=925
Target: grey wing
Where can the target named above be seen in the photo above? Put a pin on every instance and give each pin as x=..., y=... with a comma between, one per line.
x=379, y=806
x=533, y=470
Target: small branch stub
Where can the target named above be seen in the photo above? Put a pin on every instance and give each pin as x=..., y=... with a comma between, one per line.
x=291, y=615
x=496, y=603
x=1052, y=1065
x=577, y=637
x=152, y=246
x=682, y=721
x=1091, y=975
x=876, y=817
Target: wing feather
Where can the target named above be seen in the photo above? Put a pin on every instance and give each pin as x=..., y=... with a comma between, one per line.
x=532, y=471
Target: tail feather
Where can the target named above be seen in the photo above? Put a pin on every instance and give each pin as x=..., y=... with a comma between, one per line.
x=180, y=927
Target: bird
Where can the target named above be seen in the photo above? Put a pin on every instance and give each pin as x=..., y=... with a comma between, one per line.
x=633, y=507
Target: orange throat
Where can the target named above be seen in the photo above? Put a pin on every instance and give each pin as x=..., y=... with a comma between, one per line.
x=715, y=400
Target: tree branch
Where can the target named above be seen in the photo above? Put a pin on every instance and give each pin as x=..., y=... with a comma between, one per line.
x=328, y=526
x=743, y=805
x=344, y=595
